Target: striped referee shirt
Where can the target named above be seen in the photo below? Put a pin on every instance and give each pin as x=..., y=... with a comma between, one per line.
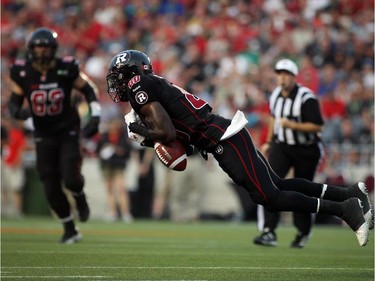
x=301, y=106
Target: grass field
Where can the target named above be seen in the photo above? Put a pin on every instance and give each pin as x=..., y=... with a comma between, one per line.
x=151, y=250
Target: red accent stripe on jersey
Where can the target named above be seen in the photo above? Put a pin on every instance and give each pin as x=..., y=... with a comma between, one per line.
x=248, y=153
x=201, y=120
x=252, y=165
x=192, y=131
x=256, y=182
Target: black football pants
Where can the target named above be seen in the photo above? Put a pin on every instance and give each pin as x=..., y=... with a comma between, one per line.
x=248, y=168
x=59, y=162
x=304, y=160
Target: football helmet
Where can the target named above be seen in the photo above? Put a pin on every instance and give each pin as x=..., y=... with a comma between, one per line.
x=42, y=37
x=123, y=67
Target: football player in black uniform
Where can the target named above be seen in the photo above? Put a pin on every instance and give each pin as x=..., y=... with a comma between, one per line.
x=46, y=82
x=167, y=112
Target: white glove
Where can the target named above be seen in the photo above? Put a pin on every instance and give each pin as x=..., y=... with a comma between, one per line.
x=29, y=124
x=133, y=117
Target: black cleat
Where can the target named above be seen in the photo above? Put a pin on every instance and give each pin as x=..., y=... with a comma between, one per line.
x=359, y=190
x=82, y=207
x=353, y=216
x=266, y=239
x=300, y=241
x=71, y=237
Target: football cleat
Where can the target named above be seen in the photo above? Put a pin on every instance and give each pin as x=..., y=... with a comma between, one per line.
x=71, y=237
x=360, y=191
x=353, y=216
x=300, y=241
x=267, y=238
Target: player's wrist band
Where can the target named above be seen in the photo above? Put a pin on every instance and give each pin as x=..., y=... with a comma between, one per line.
x=95, y=109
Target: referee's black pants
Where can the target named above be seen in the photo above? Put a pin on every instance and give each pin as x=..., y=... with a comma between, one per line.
x=304, y=160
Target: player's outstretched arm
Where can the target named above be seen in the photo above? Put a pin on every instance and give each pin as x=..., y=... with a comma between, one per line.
x=158, y=127
x=90, y=91
x=16, y=101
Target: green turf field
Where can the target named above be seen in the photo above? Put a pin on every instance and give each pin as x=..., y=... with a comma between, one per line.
x=150, y=250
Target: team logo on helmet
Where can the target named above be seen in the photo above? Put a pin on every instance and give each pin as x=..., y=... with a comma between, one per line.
x=141, y=97
x=121, y=59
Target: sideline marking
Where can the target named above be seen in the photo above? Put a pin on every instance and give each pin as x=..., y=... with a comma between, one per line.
x=56, y=277
x=188, y=267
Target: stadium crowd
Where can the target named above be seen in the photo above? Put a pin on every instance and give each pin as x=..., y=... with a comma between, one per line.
x=224, y=51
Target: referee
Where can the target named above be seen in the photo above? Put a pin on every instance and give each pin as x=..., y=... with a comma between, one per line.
x=293, y=142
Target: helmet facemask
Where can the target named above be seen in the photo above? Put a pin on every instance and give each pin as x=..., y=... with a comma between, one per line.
x=42, y=56
x=45, y=39
x=117, y=84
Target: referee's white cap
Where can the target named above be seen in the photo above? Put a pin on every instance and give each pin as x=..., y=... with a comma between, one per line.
x=286, y=65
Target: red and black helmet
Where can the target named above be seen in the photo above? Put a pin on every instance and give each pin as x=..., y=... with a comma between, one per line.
x=123, y=67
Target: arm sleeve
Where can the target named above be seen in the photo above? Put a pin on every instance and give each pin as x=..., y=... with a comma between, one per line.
x=90, y=95
x=89, y=92
x=14, y=73
x=310, y=112
x=15, y=107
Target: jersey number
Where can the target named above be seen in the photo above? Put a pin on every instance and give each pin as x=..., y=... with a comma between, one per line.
x=195, y=102
x=47, y=102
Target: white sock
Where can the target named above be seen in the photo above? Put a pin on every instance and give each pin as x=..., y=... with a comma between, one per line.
x=324, y=189
x=318, y=205
x=70, y=218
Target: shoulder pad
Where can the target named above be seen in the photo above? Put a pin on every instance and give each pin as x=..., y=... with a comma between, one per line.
x=68, y=67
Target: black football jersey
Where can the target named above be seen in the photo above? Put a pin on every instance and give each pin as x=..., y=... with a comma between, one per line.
x=49, y=96
x=190, y=115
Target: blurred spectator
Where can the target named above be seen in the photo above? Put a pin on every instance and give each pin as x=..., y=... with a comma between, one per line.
x=187, y=191
x=328, y=80
x=143, y=196
x=334, y=112
x=12, y=172
x=114, y=151
x=178, y=195
x=308, y=74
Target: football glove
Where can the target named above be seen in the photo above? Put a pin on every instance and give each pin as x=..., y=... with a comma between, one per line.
x=148, y=143
x=204, y=154
x=133, y=117
x=188, y=147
